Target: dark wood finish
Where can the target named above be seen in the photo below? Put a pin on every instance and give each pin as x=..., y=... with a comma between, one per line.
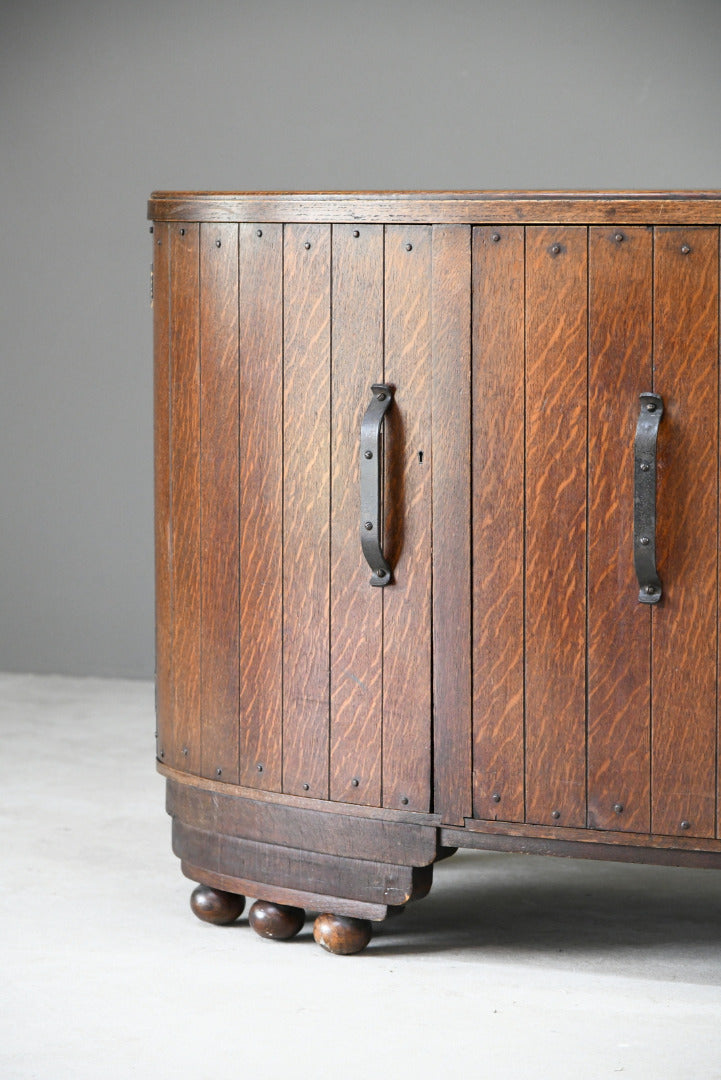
x=276, y=921
x=216, y=906
x=451, y=509
x=292, y=868
x=218, y=500
x=619, y=628
x=306, y=509
x=356, y=661
x=443, y=207
x=686, y=356
x=408, y=502
x=298, y=827
x=292, y=897
x=260, y=292
x=184, y=750
x=498, y=522
x=555, y=624
x=164, y=694
x=341, y=935
x=611, y=846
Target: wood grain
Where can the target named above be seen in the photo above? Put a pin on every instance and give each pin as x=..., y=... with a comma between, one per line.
x=260, y=313
x=356, y=608
x=685, y=623
x=498, y=517
x=451, y=494
x=164, y=696
x=408, y=502
x=219, y=500
x=619, y=628
x=556, y=432
x=443, y=207
x=184, y=752
x=306, y=494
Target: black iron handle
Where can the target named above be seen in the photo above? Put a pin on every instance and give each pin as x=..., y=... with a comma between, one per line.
x=644, y=499
x=370, y=484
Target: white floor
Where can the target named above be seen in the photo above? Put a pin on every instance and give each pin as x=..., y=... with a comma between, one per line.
x=514, y=967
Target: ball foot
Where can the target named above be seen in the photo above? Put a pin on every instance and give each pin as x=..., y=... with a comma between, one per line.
x=216, y=906
x=276, y=921
x=342, y=935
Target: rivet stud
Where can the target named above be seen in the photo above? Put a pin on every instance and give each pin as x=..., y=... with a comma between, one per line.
x=685, y=250
x=355, y=782
x=368, y=525
x=685, y=824
x=555, y=814
x=643, y=540
x=496, y=798
x=368, y=454
x=495, y=237
x=618, y=808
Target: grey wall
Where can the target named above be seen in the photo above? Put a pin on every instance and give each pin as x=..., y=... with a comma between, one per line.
x=101, y=102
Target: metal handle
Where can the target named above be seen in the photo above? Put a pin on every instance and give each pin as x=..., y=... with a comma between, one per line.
x=644, y=499
x=370, y=483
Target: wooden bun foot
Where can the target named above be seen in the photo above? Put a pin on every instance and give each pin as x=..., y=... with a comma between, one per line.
x=342, y=935
x=276, y=921
x=216, y=906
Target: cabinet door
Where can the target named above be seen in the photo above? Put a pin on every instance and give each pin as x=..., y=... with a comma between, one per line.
x=590, y=709
x=280, y=667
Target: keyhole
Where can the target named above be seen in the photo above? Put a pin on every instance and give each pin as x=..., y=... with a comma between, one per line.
x=420, y=457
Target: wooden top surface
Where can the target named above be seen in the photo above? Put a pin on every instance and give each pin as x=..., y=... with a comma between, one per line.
x=442, y=207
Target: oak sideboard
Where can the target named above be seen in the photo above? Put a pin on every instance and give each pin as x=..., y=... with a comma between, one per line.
x=437, y=538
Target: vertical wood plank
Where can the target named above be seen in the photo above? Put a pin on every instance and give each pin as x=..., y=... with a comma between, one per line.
x=260, y=314
x=184, y=753
x=685, y=622
x=407, y=602
x=498, y=515
x=219, y=500
x=163, y=534
x=306, y=539
x=556, y=434
x=356, y=608
x=619, y=628
x=451, y=488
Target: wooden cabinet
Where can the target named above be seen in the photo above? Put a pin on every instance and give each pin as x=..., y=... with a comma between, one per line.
x=325, y=741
